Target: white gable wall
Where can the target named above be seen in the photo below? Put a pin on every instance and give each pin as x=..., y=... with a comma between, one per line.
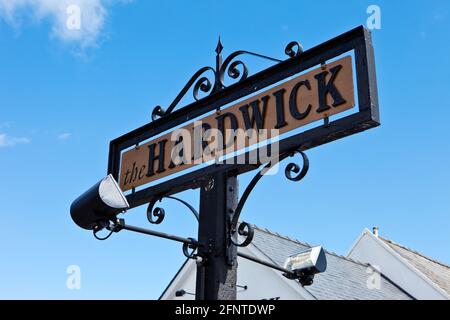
x=372, y=250
x=262, y=282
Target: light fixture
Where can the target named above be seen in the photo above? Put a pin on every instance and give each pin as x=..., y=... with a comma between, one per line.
x=102, y=202
x=305, y=264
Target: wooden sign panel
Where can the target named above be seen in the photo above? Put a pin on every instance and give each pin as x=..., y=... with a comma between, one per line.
x=315, y=95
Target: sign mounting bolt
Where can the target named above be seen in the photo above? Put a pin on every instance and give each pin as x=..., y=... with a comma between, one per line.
x=209, y=185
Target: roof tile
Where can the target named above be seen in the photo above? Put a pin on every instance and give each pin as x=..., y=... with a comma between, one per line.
x=436, y=271
x=343, y=279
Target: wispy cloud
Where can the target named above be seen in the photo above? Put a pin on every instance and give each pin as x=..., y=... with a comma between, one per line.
x=5, y=124
x=64, y=136
x=8, y=141
x=73, y=21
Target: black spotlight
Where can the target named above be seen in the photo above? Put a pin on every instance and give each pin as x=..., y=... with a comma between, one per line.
x=104, y=201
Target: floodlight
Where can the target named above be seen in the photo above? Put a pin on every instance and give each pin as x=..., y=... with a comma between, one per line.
x=306, y=264
x=103, y=201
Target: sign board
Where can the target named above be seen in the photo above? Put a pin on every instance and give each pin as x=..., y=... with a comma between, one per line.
x=318, y=94
x=320, y=83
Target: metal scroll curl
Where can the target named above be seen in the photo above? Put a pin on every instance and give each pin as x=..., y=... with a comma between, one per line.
x=230, y=67
x=293, y=172
x=237, y=70
x=246, y=230
x=189, y=250
x=198, y=81
x=295, y=168
x=203, y=84
x=156, y=215
x=293, y=49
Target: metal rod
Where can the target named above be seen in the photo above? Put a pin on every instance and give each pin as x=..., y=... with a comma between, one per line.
x=159, y=234
x=194, y=212
x=265, y=263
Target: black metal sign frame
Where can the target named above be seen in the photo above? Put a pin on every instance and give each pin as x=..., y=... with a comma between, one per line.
x=357, y=40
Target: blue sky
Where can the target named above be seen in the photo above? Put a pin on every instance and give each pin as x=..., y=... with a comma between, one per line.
x=64, y=97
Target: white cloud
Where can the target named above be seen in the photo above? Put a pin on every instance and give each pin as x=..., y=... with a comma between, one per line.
x=8, y=141
x=5, y=124
x=68, y=24
x=64, y=136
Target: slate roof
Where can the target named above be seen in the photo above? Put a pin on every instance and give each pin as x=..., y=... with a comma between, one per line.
x=436, y=271
x=344, y=278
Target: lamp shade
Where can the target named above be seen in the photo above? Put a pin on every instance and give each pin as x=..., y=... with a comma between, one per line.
x=103, y=201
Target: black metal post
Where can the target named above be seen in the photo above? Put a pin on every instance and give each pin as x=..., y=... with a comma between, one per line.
x=216, y=272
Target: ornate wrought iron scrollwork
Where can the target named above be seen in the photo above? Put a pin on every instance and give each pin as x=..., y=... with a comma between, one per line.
x=295, y=168
x=198, y=81
x=158, y=112
x=230, y=67
x=293, y=49
x=191, y=254
x=203, y=84
x=157, y=215
x=246, y=230
x=292, y=168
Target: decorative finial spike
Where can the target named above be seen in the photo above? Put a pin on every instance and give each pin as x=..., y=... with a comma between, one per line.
x=219, y=47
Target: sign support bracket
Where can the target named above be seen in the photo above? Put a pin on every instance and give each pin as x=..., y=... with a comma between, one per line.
x=217, y=268
x=219, y=228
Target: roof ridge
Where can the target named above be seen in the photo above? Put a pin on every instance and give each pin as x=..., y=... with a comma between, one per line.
x=294, y=240
x=415, y=252
x=276, y=234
